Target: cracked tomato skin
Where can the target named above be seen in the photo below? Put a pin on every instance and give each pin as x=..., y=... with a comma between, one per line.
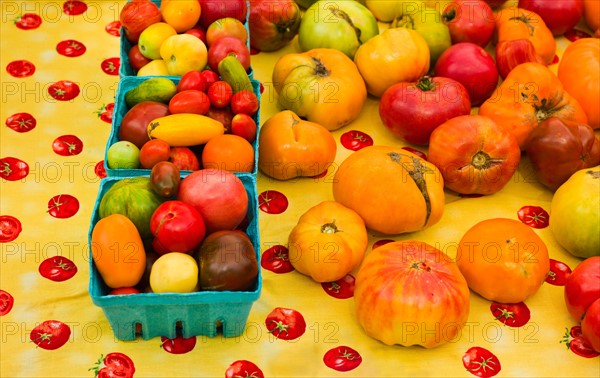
x=285, y=323
x=57, y=268
x=10, y=228
x=50, y=334
x=481, y=362
x=243, y=369
x=342, y=358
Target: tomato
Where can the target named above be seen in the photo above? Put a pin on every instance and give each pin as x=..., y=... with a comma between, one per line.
x=13, y=169
x=381, y=242
x=328, y=242
x=50, y=334
x=197, y=32
x=10, y=228
x=178, y=345
x=342, y=358
x=192, y=80
x=124, y=291
x=340, y=289
x=410, y=283
x=136, y=16
x=591, y=14
x=184, y=158
x=558, y=274
x=583, y=287
x=136, y=59
x=272, y=202
x=182, y=15
x=559, y=16
x=20, y=68
x=182, y=53
x=210, y=77
x=511, y=53
x=177, y=227
x=63, y=206
x=99, y=169
x=291, y=147
x=469, y=21
x=28, y=21
x=106, y=112
x=228, y=46
x=220, y=94
x=419, y=153
x=190, y=101
x=481, y=362
x=412, y=110
x=57, y=268
x=534, y=216
x=511, y=314
x=354, y=140
x=74, y=7
x=503, y=260
x=67, y=145
x=243, y=368
x=590, y=325
x=114, y=365
x=134, y=126
x=227, y=261
x=21, y=122
x=575, y=342
x=244, y=102
x=64, y=90
x=154, y=151
x=113, y=28
x=285, y=323
x=272, y=25
x=245, y=126
x=165, y=178
x=6, y=302
x=110, y=66
x=70, y=48
x=277, y=260
x=401, y=180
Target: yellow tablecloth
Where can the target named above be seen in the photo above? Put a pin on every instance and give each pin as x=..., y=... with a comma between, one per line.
x=532, y=350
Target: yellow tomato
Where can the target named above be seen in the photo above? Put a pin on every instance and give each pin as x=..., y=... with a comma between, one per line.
x=182, y=15
x=152, y=38
x=183, y=53
x=174, y=272
x=155, y=67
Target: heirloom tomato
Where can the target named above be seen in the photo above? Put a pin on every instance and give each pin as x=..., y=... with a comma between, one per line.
x=530, y=94
x=321, y=85
x=165, y=177
x=579, y=73
x=559, y=16
x=591, y=14
x=518, y=23
x=183, y=53
x=393, y=190
x=470, y=21
x=154, y=151
x=177, y=227
x=136, y=16
x=182, y=15
x=402, y=54
x=291, y=147
x=474, y=154
x=583, y=287
x=558, y=148
x=134, y=126
x=503, y=260
x=590, y=325
x=273, y=24
x=213, y=10
x=411, y=293
x=328, y=242
x=174, y=272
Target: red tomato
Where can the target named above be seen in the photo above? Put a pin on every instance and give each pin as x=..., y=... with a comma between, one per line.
x=113, y=28
x=583, y=287
x=220, y=94
x=511, y=314
x=244, y=102
x=64, y=90
x=575, y=34
x=381, y=242
x=226, y=46
x=57, y=268
x=74, y=7
x=192, y=80
x=6, y=302
x=469, y=21
x=134, y=126
x=272, y=202
x=106, y=112
x=243, y=368
x=63, y=206
x=177, y=227
x=136, y=59
x=21, y=122
x=20, y=68
x=558, y=274
x=559, y=16
x=245, y=126
x=99, y=169
x=198, y=33
x=189, y=101
x=534, y=216
x=50, y=334
x=354, y=140
x=420, y=154
x=110, y=66
x=210, y=77
x=342, y=358
x=285, y=323
x=67, y=145
x=70, y=48
x=576, y=343
x=590, y=325
x=340, y=289
x=277, y=260
x=124, y=291
x=114, y=365
x=481, y=362
x=28, y=21
x=13, y=169
x=10, y=228
x=184, y=158
x=154, y=151
x=178, y=345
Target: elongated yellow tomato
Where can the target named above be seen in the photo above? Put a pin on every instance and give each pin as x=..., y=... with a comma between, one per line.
x=183, y=53
x=394, y=56
x=328, y=242
x=321, y=85
x=118, y=251
x=185, y=129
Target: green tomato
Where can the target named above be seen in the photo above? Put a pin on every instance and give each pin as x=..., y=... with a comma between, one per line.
x=575, y=214
x=174, y=272
x=123, y=154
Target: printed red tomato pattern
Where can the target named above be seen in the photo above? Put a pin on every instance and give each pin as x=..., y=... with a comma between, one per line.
x=50, y=334
x=6, y=302
x=277, y=260
x=534, y=216
x=511, y=314
x=71, y=48
x=28, y=21
x=74, y=7
x=114, y=365
x=342, y=358
x=285, y=323
x=576, y=343
x=243, y=369
x=481, y=362
x=110, y=66
x=10, y=228
x=558, y=274
x=64, y=90
x=272, y=202
x=340, y=289
x=67, y=145
x=21, y=122
x=178, y=345
x=13, y=169
x=106, y=112
x=57, y=268
x=99, y=169
x=20, y=68
x=63, y=206
x=113, y=28
x=354, y=140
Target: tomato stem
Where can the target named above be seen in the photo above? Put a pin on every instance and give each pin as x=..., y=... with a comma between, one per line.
x=330, y=228
x=526, y=20
x=320, y=68
x=426, y=84
x=421, y=265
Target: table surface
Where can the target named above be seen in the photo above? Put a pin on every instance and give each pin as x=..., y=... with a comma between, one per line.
x=534, y=349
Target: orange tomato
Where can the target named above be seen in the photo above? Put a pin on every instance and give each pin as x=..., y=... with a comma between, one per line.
x=503, y=260
x=591, y=14
x=118, y=251
x=182, y=15
x=228, y=152
x=579, y=72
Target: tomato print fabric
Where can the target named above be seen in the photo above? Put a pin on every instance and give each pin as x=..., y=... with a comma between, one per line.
x=59, y=75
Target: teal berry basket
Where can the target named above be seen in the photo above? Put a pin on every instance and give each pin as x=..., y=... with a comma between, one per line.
x=196, y=314
x=120, y=109
x=125, y=45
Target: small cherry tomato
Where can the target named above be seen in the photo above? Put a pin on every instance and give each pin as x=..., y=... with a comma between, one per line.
x=110, y=66
x=245, y=126
x=74, y=7
x=6, y=302
x=64, y=90
x=340, y=289
x=558, y=274
x=192, y=80
x=10, y=228
x=154, y=151
x=220, y=94
x=113, y=28
x=243, y=368
x=244, y=102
